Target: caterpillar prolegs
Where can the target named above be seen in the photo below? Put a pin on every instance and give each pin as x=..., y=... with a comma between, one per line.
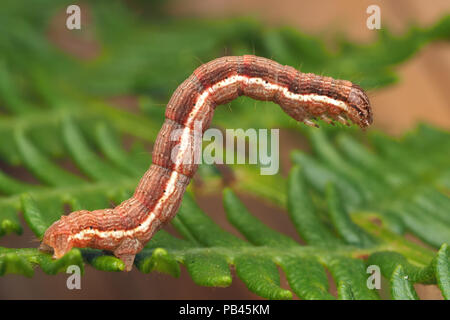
x=125, y=229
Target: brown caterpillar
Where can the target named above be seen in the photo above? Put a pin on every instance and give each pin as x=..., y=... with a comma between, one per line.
x=125, y=229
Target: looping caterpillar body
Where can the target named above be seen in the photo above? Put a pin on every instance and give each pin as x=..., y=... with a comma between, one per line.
x=125, y=229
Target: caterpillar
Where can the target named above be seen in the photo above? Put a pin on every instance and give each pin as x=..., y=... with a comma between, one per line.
x=125, y=229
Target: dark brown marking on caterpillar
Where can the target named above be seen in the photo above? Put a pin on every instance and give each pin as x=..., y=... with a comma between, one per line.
x=129, y=226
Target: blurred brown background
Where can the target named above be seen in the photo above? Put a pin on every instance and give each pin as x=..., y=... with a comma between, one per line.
x=421, y=95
